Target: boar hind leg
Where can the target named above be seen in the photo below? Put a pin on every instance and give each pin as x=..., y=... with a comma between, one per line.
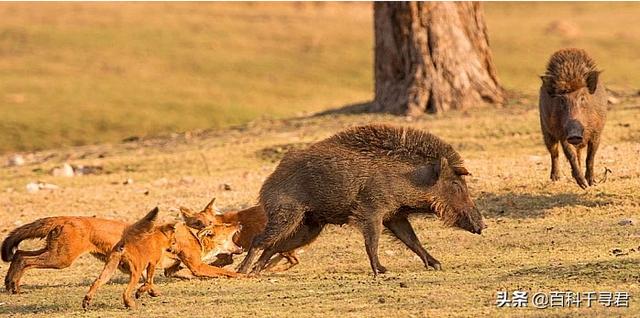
x=243, y=268
x=572, y=156
x=552, y=146
x=592, y=147
x=402, y=229
x=303, y=235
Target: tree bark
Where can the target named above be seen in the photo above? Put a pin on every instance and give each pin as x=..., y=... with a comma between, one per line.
x=432, y=57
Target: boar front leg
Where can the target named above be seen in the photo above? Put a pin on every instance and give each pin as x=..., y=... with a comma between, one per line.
x=371, y=229
x=592, y=147
x=575, y=167
x=402, y=229
x=552, y=146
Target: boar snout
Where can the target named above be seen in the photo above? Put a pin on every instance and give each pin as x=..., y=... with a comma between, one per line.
x=575, y=132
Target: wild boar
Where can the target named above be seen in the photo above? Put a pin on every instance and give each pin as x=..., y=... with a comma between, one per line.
x=573, y=111
x=371, y=176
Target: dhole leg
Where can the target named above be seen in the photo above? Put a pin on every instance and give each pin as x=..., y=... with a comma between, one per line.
x=17, y=269
x=292, y=260
x=402, y=229
x=169, y=271
x=148, y=285
x=25, y=260
x=134, y=278
x=205, y=270
x=108, y=270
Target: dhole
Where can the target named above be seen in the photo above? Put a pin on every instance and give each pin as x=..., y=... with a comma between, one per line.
x=67, y=238
x=252, y=220
x=145, y=246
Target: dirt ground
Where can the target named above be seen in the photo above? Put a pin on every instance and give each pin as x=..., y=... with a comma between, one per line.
x=542, y=236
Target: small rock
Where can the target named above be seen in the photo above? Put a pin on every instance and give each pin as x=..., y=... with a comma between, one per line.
x=535, y=158
x=33, y=187
x=627, y=222
x=403, y=285
x=160, y=182
x=618, y=252
x=85, y=170
x=389, y=253
x=225, y=187
x=381, y=300
x=65, y=171
x=131, y=139
x=16, y=160
x=128, y=181
x=613, y=100
x=187, y=180
x=48, y=186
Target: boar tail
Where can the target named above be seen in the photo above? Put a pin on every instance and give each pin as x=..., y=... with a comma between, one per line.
x=281, y=225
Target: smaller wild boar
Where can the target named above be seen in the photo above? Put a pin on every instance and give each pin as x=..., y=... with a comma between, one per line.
x=573, y=109
x=372, y=176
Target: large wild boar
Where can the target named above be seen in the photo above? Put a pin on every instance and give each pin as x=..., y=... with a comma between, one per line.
x=573, y=109
x=371, y=176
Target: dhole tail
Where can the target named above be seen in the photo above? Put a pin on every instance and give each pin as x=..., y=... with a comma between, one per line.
x=38, y=229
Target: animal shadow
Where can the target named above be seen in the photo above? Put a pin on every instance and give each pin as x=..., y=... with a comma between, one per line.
x=521, y=206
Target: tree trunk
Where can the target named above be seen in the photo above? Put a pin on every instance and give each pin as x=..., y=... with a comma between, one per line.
x=432, y=57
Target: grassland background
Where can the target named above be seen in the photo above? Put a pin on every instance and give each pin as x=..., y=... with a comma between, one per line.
x=90, y=73
x=78, y=73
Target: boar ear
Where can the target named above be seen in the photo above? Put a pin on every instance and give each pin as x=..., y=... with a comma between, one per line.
x=546, y=84
x=461, y=171
x=186, y=213
x=209, y=207
x=592, y=81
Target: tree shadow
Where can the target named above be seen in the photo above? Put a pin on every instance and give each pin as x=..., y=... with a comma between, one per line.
x=349, y=109
x=521, y=206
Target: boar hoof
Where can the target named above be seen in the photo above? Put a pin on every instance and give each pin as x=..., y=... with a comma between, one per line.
x=582, y=182
x=381, y=269
x=555, y=176
x=436, y=266
x=12, y=288
x=86, y=302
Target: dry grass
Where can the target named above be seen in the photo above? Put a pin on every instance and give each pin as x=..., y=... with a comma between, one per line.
x=113, y=70
x=84, y=73
x=542, y=236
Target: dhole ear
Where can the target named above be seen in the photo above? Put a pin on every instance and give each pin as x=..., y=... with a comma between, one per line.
x=186, y=213
x=209, y=207
x=592, y=81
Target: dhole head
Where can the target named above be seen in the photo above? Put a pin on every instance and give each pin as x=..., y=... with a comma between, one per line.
x=218, y=239
x=573, y=100
x=200, y=220
x=451, y=200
